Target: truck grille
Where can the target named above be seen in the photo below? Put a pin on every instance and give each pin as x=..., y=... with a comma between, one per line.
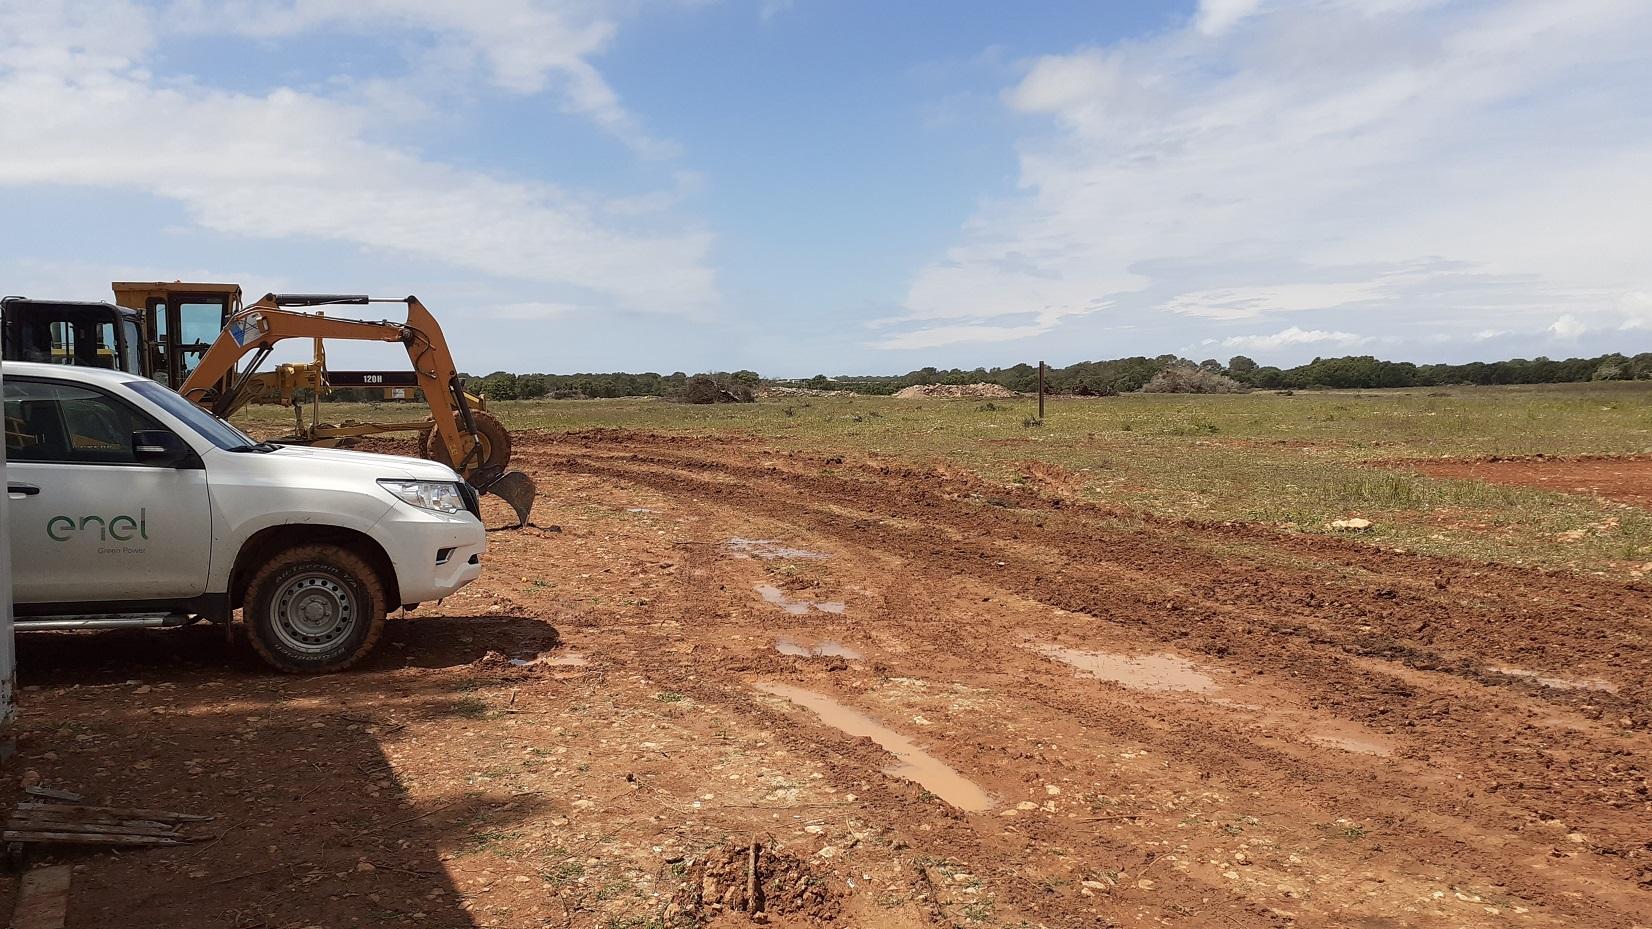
x=473, y=503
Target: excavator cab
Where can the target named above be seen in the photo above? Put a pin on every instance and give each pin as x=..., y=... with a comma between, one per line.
x=93, y=335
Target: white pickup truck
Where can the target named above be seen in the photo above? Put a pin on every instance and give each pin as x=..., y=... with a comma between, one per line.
x=128, y=505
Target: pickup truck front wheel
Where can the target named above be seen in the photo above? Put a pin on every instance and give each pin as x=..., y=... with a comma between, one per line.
x=313, y=609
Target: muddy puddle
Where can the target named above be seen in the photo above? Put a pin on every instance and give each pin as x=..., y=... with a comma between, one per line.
x=912, y=763
x=1164, y=672
x=568, y=660
x=1556, y=682
x=768, y=549
x=778, y=597
x=1161, y=671
x=1349, y=738
x=797, y=648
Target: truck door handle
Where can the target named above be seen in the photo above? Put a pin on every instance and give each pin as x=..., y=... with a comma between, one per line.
x=22, y=490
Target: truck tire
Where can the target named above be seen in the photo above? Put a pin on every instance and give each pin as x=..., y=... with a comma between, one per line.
x=313, y=609
x=495, y=440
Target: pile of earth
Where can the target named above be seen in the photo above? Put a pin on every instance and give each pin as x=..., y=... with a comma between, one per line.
x=958, y=391
x=778, y=392
x=725, y=878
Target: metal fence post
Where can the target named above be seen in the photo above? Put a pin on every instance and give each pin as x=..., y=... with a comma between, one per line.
x=1041, y=391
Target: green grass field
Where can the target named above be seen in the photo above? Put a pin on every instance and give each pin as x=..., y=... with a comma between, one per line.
x=1292, y=461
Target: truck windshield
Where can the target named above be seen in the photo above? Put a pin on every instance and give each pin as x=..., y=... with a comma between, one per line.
x=210, y=427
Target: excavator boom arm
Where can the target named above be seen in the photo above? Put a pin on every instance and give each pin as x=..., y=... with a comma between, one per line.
x=263, y=324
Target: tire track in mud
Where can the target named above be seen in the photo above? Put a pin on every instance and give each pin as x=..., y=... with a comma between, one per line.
x=1510, y=605
x=1310, y=603
x=948, y=540
x=925, y=824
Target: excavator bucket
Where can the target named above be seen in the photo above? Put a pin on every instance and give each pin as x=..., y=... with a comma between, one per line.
x=516, y=489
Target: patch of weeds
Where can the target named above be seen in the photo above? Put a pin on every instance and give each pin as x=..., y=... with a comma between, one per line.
x=1343, y=829
x=1193, y=425
x=988, y=407
x=492, y=840
x=669, y=696
x=635, y=922
x=978, y=912
x=565, y=872
x=469, y=708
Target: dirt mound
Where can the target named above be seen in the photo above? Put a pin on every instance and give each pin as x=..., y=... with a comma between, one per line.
x=777, y=392
x=725, y=879
x=958, y=391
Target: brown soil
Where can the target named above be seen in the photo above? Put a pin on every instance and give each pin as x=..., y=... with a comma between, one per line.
x=1175, y=723
x=1627, y=479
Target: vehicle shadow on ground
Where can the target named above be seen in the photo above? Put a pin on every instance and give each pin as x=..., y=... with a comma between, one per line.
x=110, y=656
x=315, y=822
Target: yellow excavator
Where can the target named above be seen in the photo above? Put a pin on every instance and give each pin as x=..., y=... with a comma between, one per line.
x=193, y=337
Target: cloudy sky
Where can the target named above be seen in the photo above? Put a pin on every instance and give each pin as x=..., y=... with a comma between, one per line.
x=845, y=186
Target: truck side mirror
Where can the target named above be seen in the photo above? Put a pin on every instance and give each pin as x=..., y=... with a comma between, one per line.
x=160, y=448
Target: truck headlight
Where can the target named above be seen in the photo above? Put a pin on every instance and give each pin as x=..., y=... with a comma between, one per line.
x=441, y=496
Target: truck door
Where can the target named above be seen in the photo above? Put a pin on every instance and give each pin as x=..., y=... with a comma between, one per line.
x=87, y=521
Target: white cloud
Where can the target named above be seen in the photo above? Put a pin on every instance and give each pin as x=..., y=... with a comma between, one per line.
x=1444, y=164
x=1253, y=302
x=525, y=45
x=292, y=164
x=1294, y=336
x=1568, y=326
x=1217, y=16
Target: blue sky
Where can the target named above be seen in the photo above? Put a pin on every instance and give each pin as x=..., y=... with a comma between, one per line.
x=804, y=186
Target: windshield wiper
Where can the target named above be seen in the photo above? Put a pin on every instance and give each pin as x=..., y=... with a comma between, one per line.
x=262, y=448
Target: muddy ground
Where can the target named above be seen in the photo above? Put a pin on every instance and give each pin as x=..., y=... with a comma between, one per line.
x=1626, y=479
x=930, y=701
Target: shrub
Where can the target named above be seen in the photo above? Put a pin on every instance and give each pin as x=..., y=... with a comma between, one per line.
x=716, y=388
x=1187, y=379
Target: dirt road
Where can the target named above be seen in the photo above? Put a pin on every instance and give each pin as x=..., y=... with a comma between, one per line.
x=940, y=701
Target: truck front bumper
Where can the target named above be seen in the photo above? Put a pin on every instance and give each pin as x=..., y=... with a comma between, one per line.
x=434, y=554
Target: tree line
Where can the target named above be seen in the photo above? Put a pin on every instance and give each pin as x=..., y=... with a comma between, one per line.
x=1118, y=375
x=1124, y=375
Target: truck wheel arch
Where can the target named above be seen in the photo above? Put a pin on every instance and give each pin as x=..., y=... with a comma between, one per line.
x=267, y=542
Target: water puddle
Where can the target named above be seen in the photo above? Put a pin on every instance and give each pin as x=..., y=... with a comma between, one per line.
x=1558, y=683
x=1349, y=738
x=1157, y=672
x=569, y=660
x=778, y=597
x=789, y=646
x=912, y=763
x=769, y=548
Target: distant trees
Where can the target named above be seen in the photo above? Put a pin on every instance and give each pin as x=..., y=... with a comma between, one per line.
x=1090, y=378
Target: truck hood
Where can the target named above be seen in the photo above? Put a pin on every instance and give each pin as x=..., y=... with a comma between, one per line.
x=379, y=465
